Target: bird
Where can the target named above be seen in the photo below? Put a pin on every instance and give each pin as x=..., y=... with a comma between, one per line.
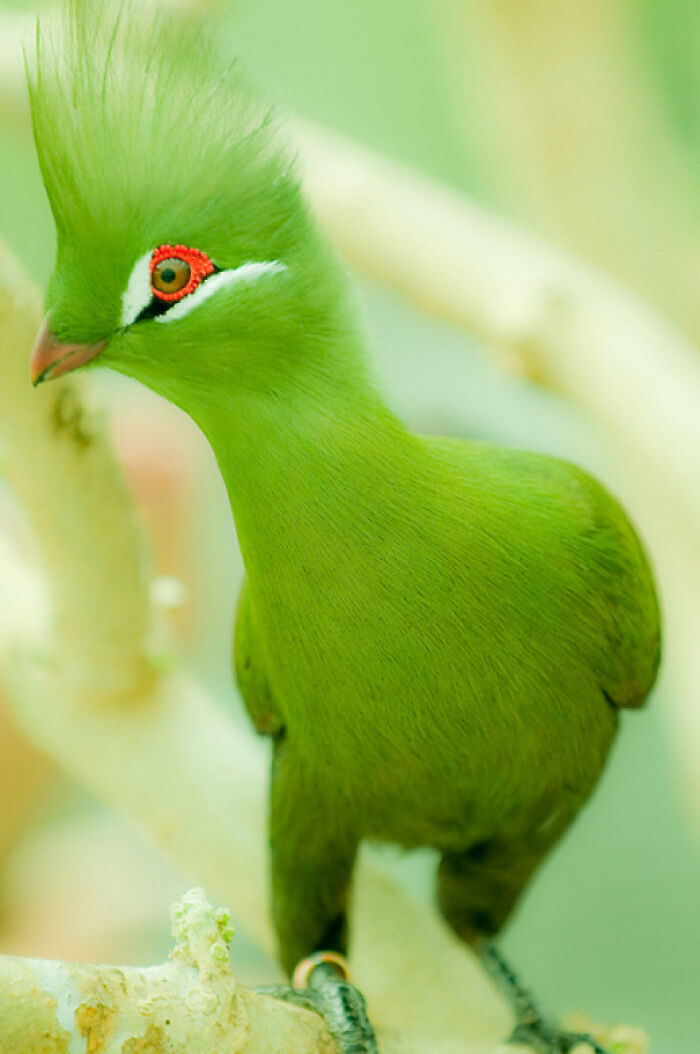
x=437, y=635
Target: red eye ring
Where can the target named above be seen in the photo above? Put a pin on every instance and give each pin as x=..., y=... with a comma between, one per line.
x=198, y=262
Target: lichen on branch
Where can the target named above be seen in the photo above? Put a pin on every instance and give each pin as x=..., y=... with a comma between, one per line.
x=190, y=1004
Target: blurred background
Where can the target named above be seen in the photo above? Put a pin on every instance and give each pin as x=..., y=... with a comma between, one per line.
x=578, y=120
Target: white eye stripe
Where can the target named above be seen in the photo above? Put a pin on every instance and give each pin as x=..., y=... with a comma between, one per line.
x=247, y=272
x=137, y=295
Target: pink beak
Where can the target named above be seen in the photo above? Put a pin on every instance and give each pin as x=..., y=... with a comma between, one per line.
x=51, y=358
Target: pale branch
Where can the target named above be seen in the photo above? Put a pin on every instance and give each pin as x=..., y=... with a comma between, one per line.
x=148, y=740
x=59, y=461
x=26, y=775
x=192, y=1003
x=561, y=99
x=572, y=329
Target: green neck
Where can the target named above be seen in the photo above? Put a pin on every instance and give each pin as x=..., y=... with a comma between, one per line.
x=306, y=463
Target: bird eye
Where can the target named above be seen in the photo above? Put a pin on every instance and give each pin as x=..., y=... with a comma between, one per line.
x=177, y=270
x=171, y=275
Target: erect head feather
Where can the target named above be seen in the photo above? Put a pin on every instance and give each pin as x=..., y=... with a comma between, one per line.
x=148, y=141
x=140, y=126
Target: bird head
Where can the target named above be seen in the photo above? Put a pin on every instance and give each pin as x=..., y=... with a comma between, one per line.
x=186, y=257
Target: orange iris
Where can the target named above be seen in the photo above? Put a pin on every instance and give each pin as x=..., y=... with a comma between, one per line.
x=177, y=270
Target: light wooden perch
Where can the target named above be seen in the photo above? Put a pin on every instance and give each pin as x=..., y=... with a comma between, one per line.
x=193, y=1003
x=190, y=1005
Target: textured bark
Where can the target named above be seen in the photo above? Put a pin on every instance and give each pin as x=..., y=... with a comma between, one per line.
x=192, y=1004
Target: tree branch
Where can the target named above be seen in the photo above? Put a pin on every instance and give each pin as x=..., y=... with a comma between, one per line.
x=572, y=329
x=59, y=462
x=579, y=140
x=193, y=1003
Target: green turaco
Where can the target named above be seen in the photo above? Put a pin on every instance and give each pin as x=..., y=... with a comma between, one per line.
x=437, y=635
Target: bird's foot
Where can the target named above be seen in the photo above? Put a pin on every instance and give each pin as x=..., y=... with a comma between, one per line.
x=321, y=983
x=533, y=1029
x=546, y=1038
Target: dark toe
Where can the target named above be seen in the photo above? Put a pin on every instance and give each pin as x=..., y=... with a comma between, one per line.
x=340, y=1004
x=548, y=1039
x=343, y=1008
x=286, y=994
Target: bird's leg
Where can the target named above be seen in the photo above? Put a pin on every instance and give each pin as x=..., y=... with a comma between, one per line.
x=532, y=1027
x=477, y=889
x=312, y=852
x=321, y=983
x=341, y=1004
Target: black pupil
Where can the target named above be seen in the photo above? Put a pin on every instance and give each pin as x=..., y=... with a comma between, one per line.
x=169, y=276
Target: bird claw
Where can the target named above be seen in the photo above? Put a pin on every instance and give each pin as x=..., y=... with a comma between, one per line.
x=548, y=1039
x=300, y=997
x=340, y=1004
x=533, y=1029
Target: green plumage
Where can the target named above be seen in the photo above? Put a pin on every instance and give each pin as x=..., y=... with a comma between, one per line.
x=437, y=633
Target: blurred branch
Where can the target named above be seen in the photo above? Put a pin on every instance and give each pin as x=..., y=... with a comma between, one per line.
x=59, y=462
x=45, y=1005
x=25, y=776
x=570, y=328
x=148, y=740
x=561, y=97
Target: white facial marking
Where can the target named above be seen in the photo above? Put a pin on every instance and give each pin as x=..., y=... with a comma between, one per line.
x=137, y=294
x=247, y=272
